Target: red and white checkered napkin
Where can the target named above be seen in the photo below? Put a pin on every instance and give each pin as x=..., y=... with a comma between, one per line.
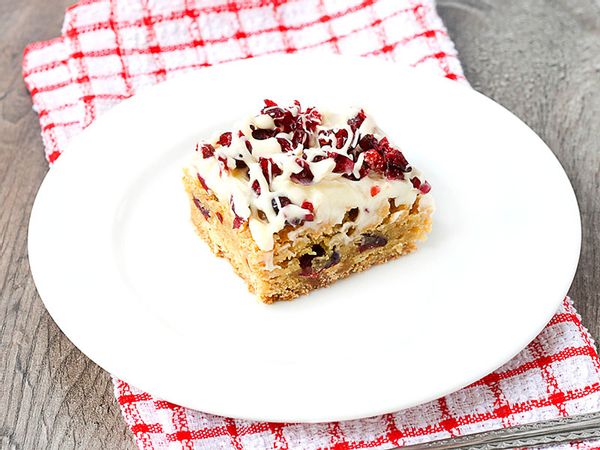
x=109, y=49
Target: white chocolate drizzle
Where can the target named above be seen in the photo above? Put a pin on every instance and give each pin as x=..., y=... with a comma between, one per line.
x=281, y=178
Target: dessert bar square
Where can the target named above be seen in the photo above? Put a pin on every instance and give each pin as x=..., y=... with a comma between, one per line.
x=298, y=198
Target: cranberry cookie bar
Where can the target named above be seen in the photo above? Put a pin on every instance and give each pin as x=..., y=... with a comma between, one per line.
x=297, y=198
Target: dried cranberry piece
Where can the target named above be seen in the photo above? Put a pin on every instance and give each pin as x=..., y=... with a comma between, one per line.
x=256, y=187
x=375, y=190
x=207, y=150
x=341, y=137
x=312, y=118
x=283, y=201
x=283, y=118
x=269, y=169
x=371, y=240
x=343, y=164
x=424, y=187
x=324, y=137
x=368, y=142
x=219, y=216
x=310, y=216
x=237, y=222
x=374, y=161
x=308, y=205
x=224, y=165
x=305, y=176
x=285, y=144
x=248, y=145
x=395, y=162
x=202, y=182
x=205, y=212
x=262, y=134
x=225, y=139
x=357, y=120
x=300, y=137
x=269, y=103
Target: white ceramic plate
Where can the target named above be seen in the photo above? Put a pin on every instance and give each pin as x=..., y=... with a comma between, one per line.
x=118, y=265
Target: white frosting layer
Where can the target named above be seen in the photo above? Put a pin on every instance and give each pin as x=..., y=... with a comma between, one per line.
x=330, y=194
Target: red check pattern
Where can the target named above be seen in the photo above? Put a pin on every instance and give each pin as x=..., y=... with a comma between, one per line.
x=109, y=49
x=557, y=375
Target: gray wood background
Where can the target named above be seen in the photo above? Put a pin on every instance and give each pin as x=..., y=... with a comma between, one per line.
x=539, y=58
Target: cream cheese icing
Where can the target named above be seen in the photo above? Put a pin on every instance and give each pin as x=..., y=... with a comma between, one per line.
x=305, y=168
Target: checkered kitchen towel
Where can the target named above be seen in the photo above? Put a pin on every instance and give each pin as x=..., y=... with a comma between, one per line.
x=111, y=48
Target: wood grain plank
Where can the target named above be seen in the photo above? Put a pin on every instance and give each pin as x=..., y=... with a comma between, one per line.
x=51, y=395
x=538, y=58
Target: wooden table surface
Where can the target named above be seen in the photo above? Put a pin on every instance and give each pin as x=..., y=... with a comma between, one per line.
x=539, y=58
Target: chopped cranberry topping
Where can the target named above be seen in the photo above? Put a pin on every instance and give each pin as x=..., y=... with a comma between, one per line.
x=312, y=118
x=305, y=176
x=300, y=137
x=374, y=161
x=357, y=120
x=341, y=137
x=283, y=118
x=256, y=187
x=225, y=139
x=343, y=164
x=285, y=144
x=207, y=150
x=283, y=201
x=371, y=240
x=308, y=205
x=202, y=182
x=395, y=165
x=310, y=216
x=205, y=212
x=262, y=134
x=324, y=138
x=269, y=169
x=368, y=141
x=424, y=187
x=295, y=130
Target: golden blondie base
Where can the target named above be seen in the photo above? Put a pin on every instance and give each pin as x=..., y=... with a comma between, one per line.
x=304, y=259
